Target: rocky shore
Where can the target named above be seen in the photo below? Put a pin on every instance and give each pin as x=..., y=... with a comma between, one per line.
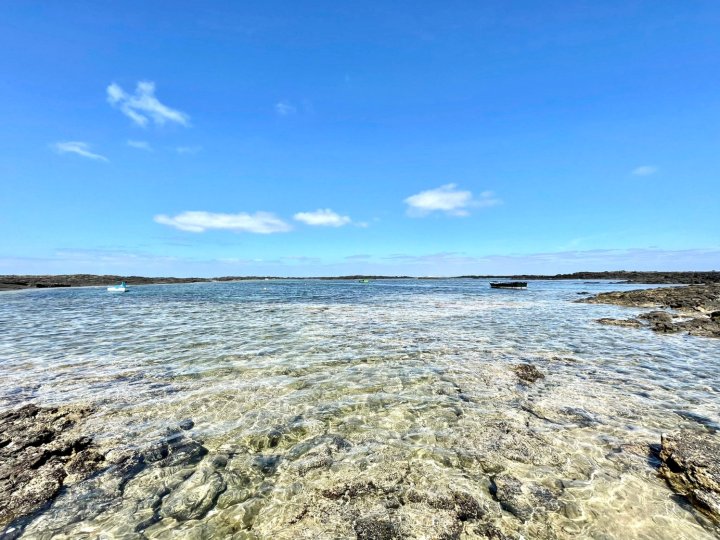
x=691, y=466
x=695, y=309
x=49, y=459
x=41, y=450
x=659, y=278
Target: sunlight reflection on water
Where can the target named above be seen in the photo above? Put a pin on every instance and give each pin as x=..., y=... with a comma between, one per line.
x=412, y=375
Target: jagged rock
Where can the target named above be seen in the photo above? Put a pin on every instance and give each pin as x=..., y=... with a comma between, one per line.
x=490, y=532
x=656, y=317
x=39, y=449
x=699, y=301
x=372, y=528
x=659, y=321
x=691, y=465
x=527, y=373
x=692, y=299
x=700, y=326
x=186, y=424
x=631, y=323
x=523, y=500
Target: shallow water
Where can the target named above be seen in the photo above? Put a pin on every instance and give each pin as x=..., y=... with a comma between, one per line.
x=330, y=405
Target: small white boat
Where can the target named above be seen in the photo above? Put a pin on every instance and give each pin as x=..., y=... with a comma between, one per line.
x=122, y=287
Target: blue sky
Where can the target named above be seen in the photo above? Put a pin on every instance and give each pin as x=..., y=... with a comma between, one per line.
x=325, y=138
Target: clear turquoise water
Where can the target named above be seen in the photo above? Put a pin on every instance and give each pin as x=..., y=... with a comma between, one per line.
x=413, y=374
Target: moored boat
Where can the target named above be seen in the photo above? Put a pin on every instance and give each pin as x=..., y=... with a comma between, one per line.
x=121, y=287
x=508, y=284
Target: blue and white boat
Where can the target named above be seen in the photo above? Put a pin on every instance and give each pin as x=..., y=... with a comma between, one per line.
x=122, y=287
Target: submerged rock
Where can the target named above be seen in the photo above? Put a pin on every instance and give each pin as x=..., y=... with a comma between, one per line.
x=195, y=497
x=41, y=449
x=371, y=528
x=523, y=500
x=691, y=465
x=632, y=323
x=527, y=373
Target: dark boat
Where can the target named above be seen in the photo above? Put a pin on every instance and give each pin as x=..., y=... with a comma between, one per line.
x=509, y=285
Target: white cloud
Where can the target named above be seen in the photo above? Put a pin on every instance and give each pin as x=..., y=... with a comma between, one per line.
x=645, y=170
x=448, y=199
x=284, y=108
x=259, y=222
x=140, y=145
x=323, y=218
x=79, y=148
x=143, y=106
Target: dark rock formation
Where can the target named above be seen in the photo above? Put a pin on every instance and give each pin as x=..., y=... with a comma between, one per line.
x=699, y=301
x=624, y=276
x=694, y=299
x=41, y=449
x=631, y=323
x=659, y=321
x=699, y=326
x=523, y=500
x=370, y=528
x=527, y=373
x=691, y=465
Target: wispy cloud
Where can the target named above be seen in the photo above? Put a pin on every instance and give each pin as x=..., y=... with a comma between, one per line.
x=259, y=222
x=322, y=218
x=448, y=199
x=79, y=148
x=142, y=106
x=285, y=108
x=140, y=145
x=645, y=170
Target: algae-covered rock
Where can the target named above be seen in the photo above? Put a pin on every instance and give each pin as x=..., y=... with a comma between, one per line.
x=527, y=373
x=691, y=465
x=524, y=500
x=630, y=323
x=41, y=449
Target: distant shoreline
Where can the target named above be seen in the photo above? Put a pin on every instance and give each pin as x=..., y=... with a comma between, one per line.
x=19, y=282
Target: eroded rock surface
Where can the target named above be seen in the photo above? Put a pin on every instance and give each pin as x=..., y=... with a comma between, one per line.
x=700, y=302
x=693, y=299
x=631, y=323
x=527, y=373
x=41, y=449
x=691, y=465
x=523, y=500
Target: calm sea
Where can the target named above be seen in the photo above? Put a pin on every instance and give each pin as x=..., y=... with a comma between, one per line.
x=304, y=387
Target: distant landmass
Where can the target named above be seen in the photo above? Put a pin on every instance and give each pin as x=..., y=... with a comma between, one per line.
x=14, y=282
x=625, y=276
